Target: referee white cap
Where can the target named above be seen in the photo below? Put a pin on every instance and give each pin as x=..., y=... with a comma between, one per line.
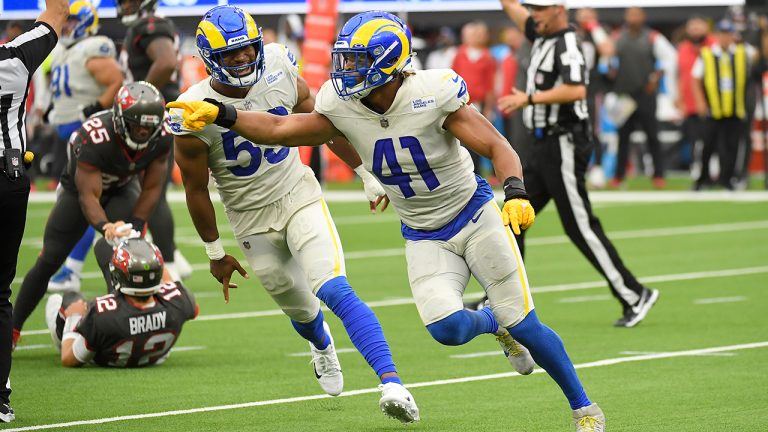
x=544, y=3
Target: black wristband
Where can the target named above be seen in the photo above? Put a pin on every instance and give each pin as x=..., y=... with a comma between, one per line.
x=138, y=223
x=227, y=114
x=92, y=109
x=514, y=188
x=99, y=226
x=530, y=99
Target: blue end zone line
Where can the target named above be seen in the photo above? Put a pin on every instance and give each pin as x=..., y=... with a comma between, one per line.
x=542, y=289
x=588, y=365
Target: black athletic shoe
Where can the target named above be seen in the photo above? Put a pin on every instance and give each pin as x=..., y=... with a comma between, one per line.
x=6, y=413
x=635, y=314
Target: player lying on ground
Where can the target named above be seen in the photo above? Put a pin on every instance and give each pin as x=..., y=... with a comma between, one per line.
x=134, y=326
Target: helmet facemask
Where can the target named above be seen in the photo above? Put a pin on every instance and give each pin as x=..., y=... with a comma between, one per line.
x=230, y=75
x=144, y=7
x=138, y=104
x=372, y=49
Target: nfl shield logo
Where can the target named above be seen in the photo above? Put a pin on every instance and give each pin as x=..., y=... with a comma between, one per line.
x=246, y=245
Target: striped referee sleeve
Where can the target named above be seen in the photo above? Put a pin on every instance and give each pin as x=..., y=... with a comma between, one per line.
x=572, y=60
x=31, y=47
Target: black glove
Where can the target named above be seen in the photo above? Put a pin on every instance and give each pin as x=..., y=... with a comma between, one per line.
x=92, y=109
x=227, y=114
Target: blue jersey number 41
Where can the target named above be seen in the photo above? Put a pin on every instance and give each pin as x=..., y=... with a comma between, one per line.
x=384, y=150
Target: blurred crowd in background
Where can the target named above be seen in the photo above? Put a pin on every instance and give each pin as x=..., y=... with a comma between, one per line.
x=650, y=93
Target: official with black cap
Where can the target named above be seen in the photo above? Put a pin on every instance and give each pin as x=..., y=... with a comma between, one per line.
x=555, y=113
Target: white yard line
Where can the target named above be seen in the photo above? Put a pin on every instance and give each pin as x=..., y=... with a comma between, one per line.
x=719, y=300
x=541, y=289
x=598, y=363
x=36, y=242
x=585, y=299
x=718, y=354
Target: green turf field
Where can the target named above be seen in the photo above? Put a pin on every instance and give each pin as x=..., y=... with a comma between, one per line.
x=699, y=362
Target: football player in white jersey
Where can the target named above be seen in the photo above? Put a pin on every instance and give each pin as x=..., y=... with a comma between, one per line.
x=405, y=127
x=274, y=202
x=85, y=77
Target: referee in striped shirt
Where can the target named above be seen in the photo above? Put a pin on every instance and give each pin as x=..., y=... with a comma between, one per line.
x=18, y=61
x=555, y=112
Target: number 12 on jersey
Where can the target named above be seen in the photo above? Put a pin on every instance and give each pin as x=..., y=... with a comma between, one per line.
x=384, y=149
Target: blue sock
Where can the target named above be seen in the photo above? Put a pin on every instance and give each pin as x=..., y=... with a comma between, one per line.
x=548, y=351
x=80, y=251
x=461, y=327
x=361, y=324
x=313, y=331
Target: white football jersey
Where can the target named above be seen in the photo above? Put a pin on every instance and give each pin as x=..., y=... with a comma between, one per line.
x=72, y=85
x=428, y=176
x=250, y=175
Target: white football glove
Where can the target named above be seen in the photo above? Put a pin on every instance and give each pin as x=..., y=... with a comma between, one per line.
x=124, y=232
x=373, y=189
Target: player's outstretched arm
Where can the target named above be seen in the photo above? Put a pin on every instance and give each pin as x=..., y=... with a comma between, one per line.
x=290, y=131
x=155, y=176
x=192, y=157
x=88, y=183
x=477, y=133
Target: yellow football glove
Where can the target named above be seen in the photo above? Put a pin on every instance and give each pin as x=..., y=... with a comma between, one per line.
x=197, y=114
x=518, y=213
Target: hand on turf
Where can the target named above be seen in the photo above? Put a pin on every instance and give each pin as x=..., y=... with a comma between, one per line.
x=196, y=114
x=222, y=270
x=518, y=214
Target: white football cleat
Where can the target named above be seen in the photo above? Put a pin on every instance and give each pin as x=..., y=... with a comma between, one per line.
x=515, y=352
x=63, y=281
x=398, y=403
x=589, y=419
x=183, y=267
x=327, y=367
x=52, y=308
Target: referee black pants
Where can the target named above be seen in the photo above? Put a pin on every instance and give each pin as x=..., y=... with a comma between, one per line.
x=556, y=171
x=13, y=202
x=66, y=224
x=722, y=136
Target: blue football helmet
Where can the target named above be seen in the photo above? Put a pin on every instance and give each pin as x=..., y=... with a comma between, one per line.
x=228, y=28
x=371, y=50
x=83, y=20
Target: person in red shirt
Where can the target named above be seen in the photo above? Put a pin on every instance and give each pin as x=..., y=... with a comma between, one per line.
x=476, y=65
x=696, y=36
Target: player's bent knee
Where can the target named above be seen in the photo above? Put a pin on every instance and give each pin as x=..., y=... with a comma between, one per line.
x=452, y=330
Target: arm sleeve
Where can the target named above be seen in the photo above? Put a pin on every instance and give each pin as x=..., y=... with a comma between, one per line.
x=99, y=46
x=31, y=47
x=88, y=329
x=81, y=351
x=530, y=29
x=570, y=60
x=187, y=302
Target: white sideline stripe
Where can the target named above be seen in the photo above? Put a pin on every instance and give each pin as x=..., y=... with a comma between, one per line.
x=598, y=363
x=41, y=346
x=584, y=299
x=37, y=242
x=543, y=289
x=719, y=300
x=594, y=196
x=720, y=354
x=309, y=354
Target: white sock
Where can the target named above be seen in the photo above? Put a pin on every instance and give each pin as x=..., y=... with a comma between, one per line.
x=75, y=265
